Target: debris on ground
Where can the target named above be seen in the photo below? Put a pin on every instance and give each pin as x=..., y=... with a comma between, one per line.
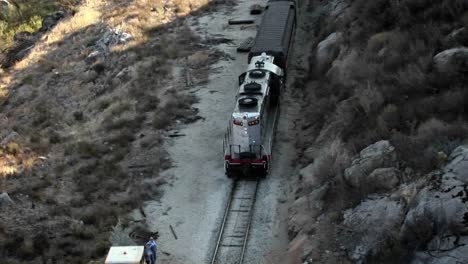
x=240, y=21
x=246, y=45
x=110, y=37
x=256, y=9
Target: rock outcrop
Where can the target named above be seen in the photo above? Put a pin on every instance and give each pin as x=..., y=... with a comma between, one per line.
x=452, y=61
x=434, y=219
x=458, y=37
x=385, y=178
x=440, y=215
x=327, y=51
x=5, y=200
x=369, y=224
x=375, y=163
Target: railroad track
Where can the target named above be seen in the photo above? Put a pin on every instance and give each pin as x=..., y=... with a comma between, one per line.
x=234, y=232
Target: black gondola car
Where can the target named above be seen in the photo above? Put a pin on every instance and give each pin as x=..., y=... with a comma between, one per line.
x=275, y=34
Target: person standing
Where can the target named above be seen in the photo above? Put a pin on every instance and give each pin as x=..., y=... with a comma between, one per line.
x=150, y=251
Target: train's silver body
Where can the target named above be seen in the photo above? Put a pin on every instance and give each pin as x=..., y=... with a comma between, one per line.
x=248, y=141
x=247, y=144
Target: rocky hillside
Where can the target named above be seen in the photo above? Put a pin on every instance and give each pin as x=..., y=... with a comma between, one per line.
x=382, y=172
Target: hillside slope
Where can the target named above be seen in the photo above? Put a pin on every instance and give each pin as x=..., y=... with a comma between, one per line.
x=381, y=178
x=83, y=117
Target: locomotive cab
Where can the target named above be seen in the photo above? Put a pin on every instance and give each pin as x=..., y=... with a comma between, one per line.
x=248, y=141
x=246, y=145
x=246, y=154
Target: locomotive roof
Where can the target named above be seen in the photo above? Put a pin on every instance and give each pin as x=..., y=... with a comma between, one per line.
x=255, y=86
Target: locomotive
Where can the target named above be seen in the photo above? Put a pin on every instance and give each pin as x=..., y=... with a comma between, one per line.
x=247, y=144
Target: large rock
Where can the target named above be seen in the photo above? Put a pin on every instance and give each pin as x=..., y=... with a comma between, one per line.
x=452, y=61
x=378, y=155
x=385, y=178
x=458, y=165
x=458, y=37
x=369, y=225
x=429, y=215
x=440, y=212
x=309, y=177
x=5, y=200
x=447, y=250
x=432, y=211
x=51, y=20
x=327, y=51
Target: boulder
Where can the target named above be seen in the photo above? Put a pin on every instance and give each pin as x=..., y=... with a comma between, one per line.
x=5, y=200
x=309, y=177
x=457, y=168
x=446, y=250
x=431, y=210
x=369, y=225
x=327, y=50
x=338, y=7
x=440, y=211
x=51, y=20
x=385, y=178
x=458, y=37
x=452, y=61
x=378, y=155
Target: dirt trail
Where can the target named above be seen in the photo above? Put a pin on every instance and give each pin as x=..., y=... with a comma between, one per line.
x=194, y=199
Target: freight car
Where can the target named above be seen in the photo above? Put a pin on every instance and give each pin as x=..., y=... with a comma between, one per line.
x=247, y=143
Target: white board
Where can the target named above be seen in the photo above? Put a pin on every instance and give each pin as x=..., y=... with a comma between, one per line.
x=125, y=255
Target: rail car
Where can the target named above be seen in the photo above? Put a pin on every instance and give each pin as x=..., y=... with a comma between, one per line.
x=248, y=140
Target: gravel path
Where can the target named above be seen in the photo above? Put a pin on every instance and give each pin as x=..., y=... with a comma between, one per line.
x=194, y=199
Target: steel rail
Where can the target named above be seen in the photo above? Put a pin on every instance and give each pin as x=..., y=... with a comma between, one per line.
x=215, y=255
x=244, y=246
x=223, y=224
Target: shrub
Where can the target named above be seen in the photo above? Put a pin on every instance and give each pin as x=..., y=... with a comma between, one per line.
x=421, y=150
x=391, y=116
x=89, y=150
x=161, y=120
x=84, y=232
x=122, y=138
x=101, y=248
x=54, y=137
x=370, y=99
x=27, y=249
x=78, y=115
x=128, y=120
x=41, y=242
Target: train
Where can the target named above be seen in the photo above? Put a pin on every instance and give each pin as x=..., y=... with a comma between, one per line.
x=248, y=141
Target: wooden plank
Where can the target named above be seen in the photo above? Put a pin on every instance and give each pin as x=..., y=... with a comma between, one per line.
x=240, y=21
x=173, y=232
x=246, y=45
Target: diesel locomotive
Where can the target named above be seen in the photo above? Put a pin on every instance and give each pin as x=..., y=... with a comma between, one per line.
x=247, y=144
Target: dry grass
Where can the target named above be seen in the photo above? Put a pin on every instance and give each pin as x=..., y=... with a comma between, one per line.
x=390, y=74
x=86, y=118
x=15, y=158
